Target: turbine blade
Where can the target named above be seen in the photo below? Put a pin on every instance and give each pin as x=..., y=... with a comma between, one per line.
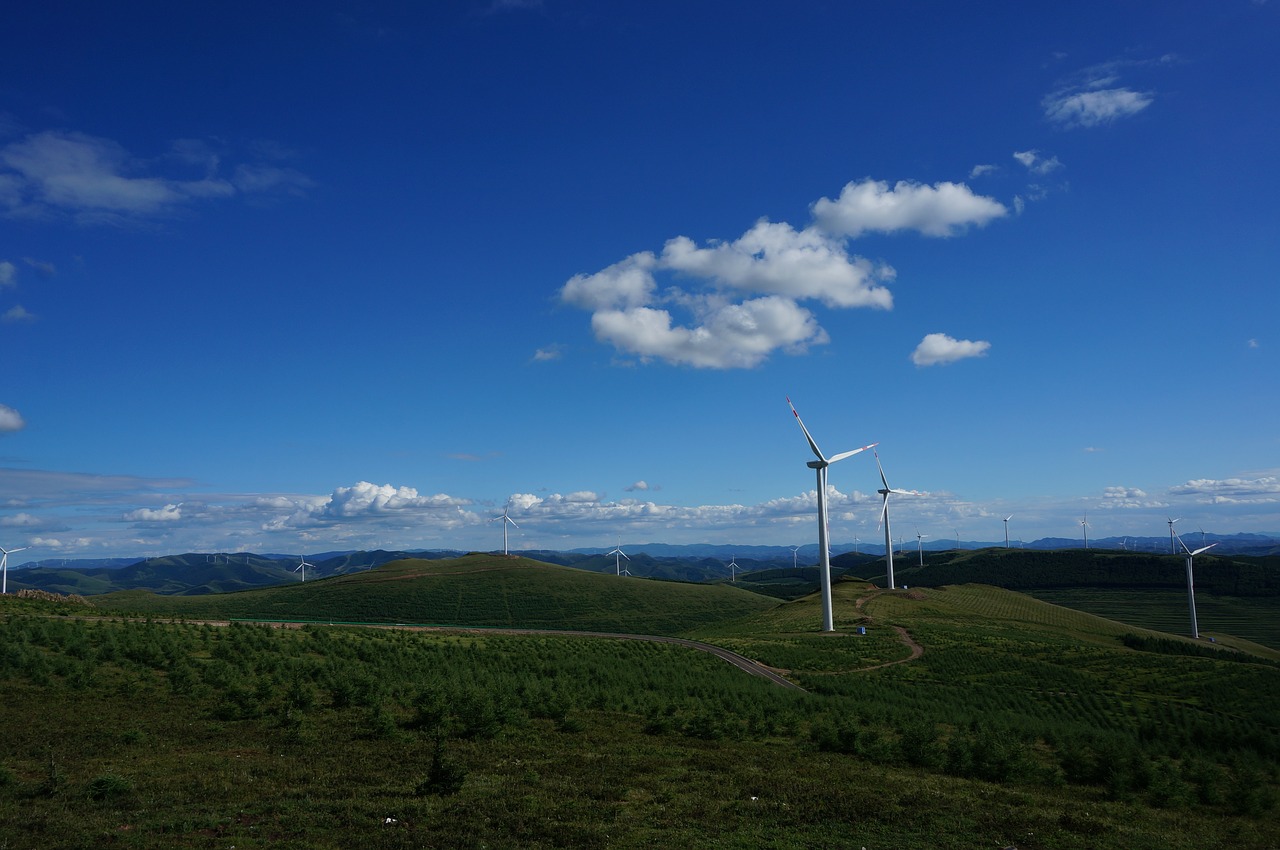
x=844, y=455
x=884, y=509
x=882, y=478
x=817, y=451
x=1204, y=549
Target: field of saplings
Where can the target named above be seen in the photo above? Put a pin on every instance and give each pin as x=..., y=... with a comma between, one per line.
x=1020, y=724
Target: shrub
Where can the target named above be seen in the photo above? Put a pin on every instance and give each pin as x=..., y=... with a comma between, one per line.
x=108, y=785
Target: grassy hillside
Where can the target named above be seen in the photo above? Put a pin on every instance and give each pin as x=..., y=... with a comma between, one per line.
x=1022, y=724
x=474, y=590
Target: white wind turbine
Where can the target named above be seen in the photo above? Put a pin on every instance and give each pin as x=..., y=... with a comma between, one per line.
x=1084, y=526
x=855, y=544
x=1172, y=547
x=824, y=555
x=795, y=557
x=617, y=562
x=733, y=568
x=1006, y=530
x=884, y=519
x=1191, y=589
x=920, y=544
x=957, y=531
x=303, y=566
x=505, y=520
x=4, y=565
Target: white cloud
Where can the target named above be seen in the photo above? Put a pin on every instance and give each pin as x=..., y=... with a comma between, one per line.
x=169, y=513
x=739, y=300
x=1092, y=108
x=728, y=336
x=940, y=349
x=17, y=313
x=773, y=258
x=639, y=485
x=8, y=273
x=1123, y=498
x=548, y=353
x=19, y=520
x=10, y=420
x=1253, y=343
x=982, y=170
x=1262, y=490
x=1035, y=163
x=939, y=210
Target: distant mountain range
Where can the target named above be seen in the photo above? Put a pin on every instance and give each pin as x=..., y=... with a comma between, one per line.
x=203, y=573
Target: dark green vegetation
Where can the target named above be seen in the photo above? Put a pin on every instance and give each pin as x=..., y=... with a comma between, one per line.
x=474, y=590
x=1022, y=724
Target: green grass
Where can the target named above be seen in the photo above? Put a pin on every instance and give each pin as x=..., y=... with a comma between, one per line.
x=1255, y=619
x=1023, y=724
x=475, y=590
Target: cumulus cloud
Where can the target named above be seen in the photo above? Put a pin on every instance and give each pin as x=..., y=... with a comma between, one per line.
x=1122, y=498
x=548, y=353
x=8, y=273
x=731, y=304
x=982, y=170
x=10, y=420
x=17, y=313
x=169, y=513
x=942, y=209
x=96, y=180
x=1262, y=490
x=940, y=349
x=639, y=485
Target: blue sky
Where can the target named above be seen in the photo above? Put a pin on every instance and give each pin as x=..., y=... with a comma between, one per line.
x=297, y=277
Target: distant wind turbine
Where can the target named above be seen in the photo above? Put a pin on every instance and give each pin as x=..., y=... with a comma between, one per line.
x=884, y=519
x=1006, y=530
x=1191, y=589
x=617, y=562
x=957, y=531
x=1172, y=547
x=855, y=544
x=4, y=565
x=303, y=566
x=1084, y=526
x=824, y=555
x=505, y=520
x=795, y=557
x=920, y=544
x=733, y=568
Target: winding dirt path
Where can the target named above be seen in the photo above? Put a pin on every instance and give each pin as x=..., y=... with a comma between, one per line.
x=916, y=649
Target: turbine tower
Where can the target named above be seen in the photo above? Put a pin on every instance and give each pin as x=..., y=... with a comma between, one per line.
x=920, y=544
x=795, y=557
x=1191, y=589
x=819, y=466
x=1084, y=526
x=884, y=519
x=505, y=520
x=1172, y=548
x=303, y=566
x=733, y=568
x=617, y=562
x=4, y=565
x=1006, y=530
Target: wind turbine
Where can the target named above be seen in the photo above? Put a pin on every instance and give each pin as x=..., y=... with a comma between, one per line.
x=303, y=566
x=617, y=563
x=920, y=544
x=1191, y=589
x=4, y=565
x=884, y=519
x=733, y=568
x=957, y=531
x=824, y=555
x=795, y=557
x=1172, y=535
x=1084, y=526
x=855, y=544
x=505, y=519
x=1006, y=530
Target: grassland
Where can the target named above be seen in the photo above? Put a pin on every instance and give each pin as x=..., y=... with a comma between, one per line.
x=475, y=590
x=1022, y=724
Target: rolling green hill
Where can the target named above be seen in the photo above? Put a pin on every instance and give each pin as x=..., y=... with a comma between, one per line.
x=474, y=590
